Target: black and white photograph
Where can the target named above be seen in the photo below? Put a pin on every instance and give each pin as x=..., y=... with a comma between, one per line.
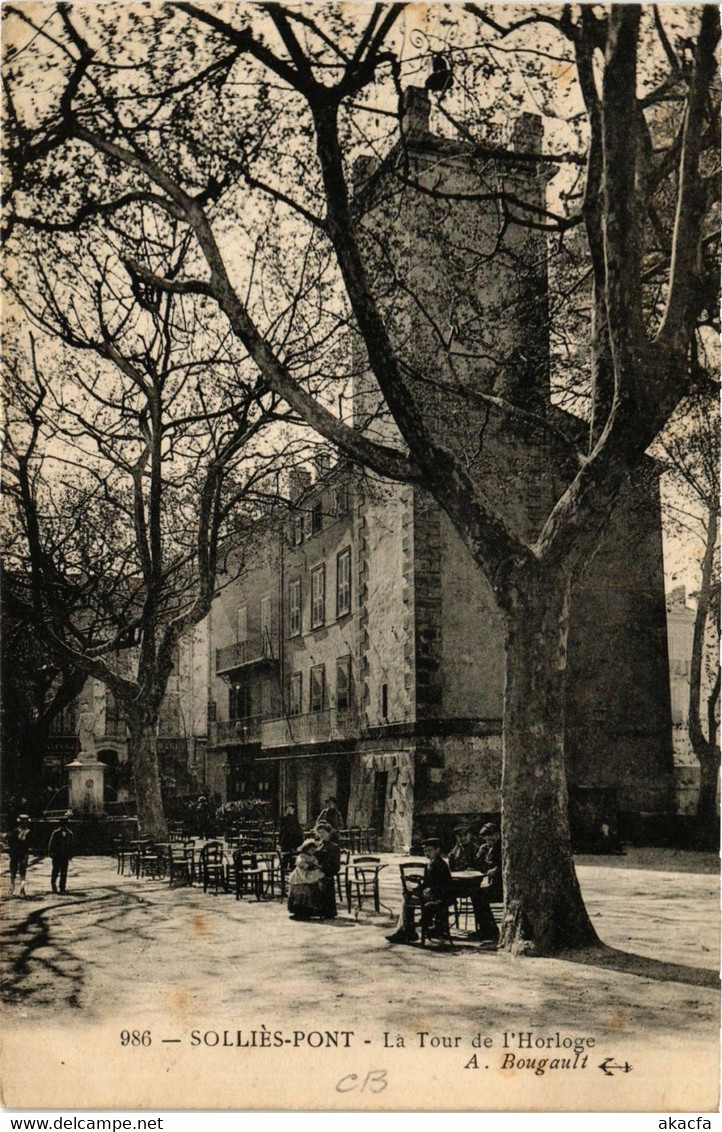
x=360, y=596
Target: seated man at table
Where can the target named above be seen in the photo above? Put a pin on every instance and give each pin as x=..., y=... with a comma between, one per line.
x=488, y=861
x=482, y=893
x=433, y=896
x=463, y=855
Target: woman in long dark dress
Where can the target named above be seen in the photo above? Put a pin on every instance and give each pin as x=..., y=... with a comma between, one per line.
x=305, y=896
x=329, y=860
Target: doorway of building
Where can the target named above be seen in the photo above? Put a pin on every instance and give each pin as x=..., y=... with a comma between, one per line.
x=378, y=805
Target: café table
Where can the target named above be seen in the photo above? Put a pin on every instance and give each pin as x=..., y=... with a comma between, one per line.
x=466, y=885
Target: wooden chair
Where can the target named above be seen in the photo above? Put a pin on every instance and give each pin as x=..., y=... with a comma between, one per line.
x=444, y=922
x=274, y=874
x=181, y=863
x=363, y=881
x=370, y=838
x=150, y=862
x=122, y=851
x=135, y=852
x=247, y=875
x=463, y=907
x=412, y=875
x=355, y=839
x=213, y=866
x=342, y=876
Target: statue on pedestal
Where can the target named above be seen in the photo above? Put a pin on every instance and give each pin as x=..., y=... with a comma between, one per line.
x=86, y=734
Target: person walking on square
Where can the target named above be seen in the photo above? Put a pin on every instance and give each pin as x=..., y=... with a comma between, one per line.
x=19, y=851
x=60, y=850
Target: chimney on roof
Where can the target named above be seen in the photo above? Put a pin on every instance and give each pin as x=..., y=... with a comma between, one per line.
x=415, y=111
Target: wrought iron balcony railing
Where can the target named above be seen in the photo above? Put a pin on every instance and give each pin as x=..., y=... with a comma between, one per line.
x=233, y=732
x=313, y=727
x=256, y=649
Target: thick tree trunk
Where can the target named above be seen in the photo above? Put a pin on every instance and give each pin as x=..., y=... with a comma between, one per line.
x=32, y=763
x=705, y=749
x=706, y=821
x=544, y=910
x=143, y=753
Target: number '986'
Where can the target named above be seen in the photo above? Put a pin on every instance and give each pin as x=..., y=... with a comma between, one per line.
x=135, y=1037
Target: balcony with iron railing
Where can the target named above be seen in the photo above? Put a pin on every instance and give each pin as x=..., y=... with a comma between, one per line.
x=313, y=727
x=236, y=732
x=256, y=649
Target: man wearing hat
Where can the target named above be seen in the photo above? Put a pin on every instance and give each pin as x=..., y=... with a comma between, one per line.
x=19, y=851
x=60, y=849
x=463, y=855
x=434, y=895
x=488, y=861
x=331, y=814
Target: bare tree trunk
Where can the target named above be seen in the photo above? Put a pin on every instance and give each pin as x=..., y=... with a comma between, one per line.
x=706, y=823
x=29, y=758
x=706, y=750
x=544, y=910
x=143, y=753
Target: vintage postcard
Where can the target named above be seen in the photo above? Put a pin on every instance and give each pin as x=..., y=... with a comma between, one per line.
x=360, y=596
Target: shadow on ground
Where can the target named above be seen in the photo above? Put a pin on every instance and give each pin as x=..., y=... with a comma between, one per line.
x=629, y=963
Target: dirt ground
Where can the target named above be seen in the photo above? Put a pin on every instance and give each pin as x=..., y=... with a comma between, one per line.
x=189, y=968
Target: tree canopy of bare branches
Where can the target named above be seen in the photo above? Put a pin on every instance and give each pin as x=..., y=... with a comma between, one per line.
x=242, y=125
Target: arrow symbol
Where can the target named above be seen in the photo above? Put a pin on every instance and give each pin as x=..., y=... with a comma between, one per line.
x=608, y=1065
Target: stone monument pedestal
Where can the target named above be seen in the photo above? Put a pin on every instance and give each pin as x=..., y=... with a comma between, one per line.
x=86, y=787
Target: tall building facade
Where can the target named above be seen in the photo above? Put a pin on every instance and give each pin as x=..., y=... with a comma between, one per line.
x=362, y=653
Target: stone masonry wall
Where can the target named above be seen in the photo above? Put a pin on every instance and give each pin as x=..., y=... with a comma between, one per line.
x=398, y=816
x=618, y=716
x=473, y=638
x=386, y=647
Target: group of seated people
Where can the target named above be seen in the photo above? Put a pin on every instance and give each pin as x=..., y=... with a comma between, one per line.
x=316, y=861
x=311, y=884
x=435, y=892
